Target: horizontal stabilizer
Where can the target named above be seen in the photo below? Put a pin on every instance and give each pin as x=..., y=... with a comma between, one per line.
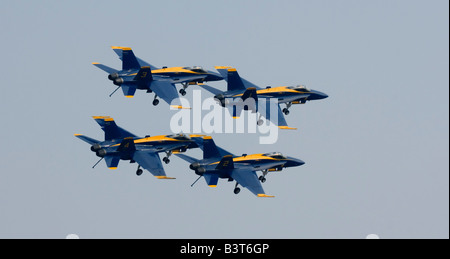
x=128, y=90
x=112, y=162
x=211, y=179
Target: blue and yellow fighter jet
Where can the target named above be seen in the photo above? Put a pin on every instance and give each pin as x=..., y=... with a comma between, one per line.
x=219, y=163
x=119, y=144
x=241, y=89
x=138, y=74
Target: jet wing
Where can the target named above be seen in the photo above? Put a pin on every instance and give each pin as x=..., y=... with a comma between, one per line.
x=248, y=179
x=187, y=158
x=188, y=79
x=211, y=89
x=278, y=120
x=105, y=68
x=151, y=162
x=292, y=98
x=166, y=91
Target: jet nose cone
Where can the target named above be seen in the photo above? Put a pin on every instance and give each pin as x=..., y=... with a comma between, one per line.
x=299, y=162
x=296, y=161
x=321, y=95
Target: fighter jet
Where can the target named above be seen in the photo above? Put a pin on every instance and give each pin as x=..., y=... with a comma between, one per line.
x=239, y=90
x=219, y=163
x=120, y=144
x=138, y=74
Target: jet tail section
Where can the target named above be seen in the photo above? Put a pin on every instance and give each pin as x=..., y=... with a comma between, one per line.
x=127, y=145
x=226, y=163
x=107, y=69
x=87, y=139
x=144, y=75
x=112, y=131
x=210, y=149
x=234, y=80
x=112, y=162
x=129, y=60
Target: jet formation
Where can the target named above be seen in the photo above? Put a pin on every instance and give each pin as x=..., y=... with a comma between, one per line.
x=216, y=163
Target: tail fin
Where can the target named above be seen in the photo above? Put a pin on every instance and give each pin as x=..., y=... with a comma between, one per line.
x=223, y=71
x=226, y=163
x=129, y=60
x=112, y=131
x=144, y=75
x=248, y=102
x=234, y=80
x=127, y=145
x=210, y=149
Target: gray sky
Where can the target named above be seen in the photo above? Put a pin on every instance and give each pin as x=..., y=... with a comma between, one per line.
x=376, y=150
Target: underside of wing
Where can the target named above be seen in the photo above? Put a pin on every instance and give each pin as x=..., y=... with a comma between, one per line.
x=187, y=158
x=274, y=114
x=188, y=79
x=151, y=162
x=166, y=91
x=107, y=69
x=211, y=89
x=248, y=179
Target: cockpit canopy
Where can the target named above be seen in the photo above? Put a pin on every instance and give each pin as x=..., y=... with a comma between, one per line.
x=179, y=136
x=298, y=87
x=276, y=155
x=196, y=69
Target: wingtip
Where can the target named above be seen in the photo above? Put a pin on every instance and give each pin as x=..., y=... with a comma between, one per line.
x=164, y=177
x=286, y=127
x=120, y=47
x=76, y=134
x=222, y=67
x=179, y=107
x=265, y=195
x=105, y=118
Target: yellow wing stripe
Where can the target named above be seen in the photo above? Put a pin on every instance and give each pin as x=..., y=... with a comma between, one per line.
x=122, y=48
x=164, y=177
x=265, y=195
x=286, y=127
